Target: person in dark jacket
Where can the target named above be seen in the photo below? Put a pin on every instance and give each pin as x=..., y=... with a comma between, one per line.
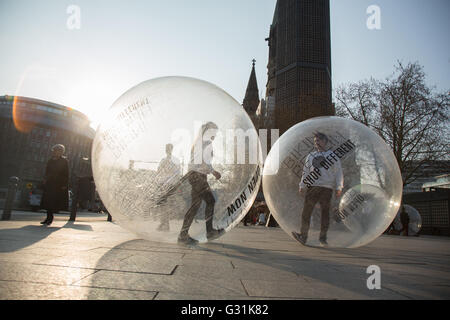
x=404, y=219
x=56, y=181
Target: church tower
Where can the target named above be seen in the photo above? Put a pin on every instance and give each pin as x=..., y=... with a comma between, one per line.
x=251, y=99
x=299, y=68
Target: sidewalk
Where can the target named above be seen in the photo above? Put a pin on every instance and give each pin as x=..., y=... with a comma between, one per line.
x=96, y=259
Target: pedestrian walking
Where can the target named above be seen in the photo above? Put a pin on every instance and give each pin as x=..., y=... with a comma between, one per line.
x=56, y=182
x=199, y=167
x=168, y=178
x=404, y=219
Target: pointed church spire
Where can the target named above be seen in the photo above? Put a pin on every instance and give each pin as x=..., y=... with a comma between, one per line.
x=251, y=100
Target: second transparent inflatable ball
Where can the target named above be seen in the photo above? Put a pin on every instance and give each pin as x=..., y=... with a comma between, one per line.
x=333, y=182
x=413, y=219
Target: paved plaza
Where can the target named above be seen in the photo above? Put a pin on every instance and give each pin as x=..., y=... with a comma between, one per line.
x=95, y=259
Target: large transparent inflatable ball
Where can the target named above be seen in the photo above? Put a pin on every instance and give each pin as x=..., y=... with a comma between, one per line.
x=177, y=159
x=332, y=182
x=410, y=219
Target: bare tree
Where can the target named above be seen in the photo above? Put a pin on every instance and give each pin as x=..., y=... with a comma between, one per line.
x=410, y=116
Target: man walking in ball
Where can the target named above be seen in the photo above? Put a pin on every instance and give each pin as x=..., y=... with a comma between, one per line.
x=319, y=179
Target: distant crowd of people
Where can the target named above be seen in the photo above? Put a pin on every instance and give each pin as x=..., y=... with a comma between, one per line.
x=257, y=215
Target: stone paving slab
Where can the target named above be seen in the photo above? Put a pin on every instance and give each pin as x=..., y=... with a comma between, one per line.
x=304, y=288
x=95, y=259
x=40, y=291
x=12, y=271
x=420, y=291
x=118, y=260
x=180, y=283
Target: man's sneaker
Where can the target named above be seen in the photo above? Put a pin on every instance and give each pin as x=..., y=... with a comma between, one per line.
x=300, y=238
x=323, y=243
x=214, y=234
x=187, y=241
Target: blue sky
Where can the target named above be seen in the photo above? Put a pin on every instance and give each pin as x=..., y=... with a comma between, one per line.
x=122, y=43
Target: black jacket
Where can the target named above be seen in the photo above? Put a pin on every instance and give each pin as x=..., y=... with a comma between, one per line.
x=56, y=191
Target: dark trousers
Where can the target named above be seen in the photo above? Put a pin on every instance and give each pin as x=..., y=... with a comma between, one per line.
x=314, y=195
x=49, y=215
x=200, y=192
x=405, y=229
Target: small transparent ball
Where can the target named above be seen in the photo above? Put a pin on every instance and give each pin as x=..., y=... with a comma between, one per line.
x=415, y=220
x=176, y=157
x=330, y=181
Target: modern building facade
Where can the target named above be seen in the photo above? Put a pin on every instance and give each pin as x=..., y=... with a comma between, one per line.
x=299, y=67
x=28, y=129
x=426, y=176
x=440, y=182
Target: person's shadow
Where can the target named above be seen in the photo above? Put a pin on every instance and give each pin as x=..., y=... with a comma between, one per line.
x=15, y=239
